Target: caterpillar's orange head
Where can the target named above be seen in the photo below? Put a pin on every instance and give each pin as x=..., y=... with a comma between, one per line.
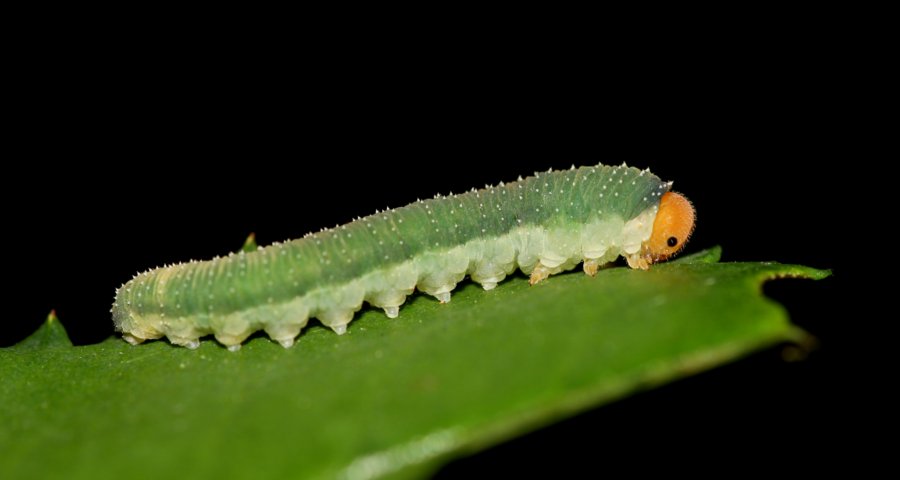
x=671, y=229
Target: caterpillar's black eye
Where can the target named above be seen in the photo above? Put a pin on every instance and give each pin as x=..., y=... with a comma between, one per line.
x=672, y=241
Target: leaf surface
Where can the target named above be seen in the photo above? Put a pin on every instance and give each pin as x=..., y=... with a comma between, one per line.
x=391, y=398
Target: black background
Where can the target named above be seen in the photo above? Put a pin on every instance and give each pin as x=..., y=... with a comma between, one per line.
x=121, y=175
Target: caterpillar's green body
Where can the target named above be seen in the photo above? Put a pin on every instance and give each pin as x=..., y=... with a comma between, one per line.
x=542, y=225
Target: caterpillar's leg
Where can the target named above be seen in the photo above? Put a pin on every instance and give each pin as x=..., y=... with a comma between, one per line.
x=638, y=261
x=132, y=339
x=337, y=319
x=539, y=273
x=591, y=266
x=189, y=342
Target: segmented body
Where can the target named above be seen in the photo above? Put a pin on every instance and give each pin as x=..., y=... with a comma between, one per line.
x=542, y=225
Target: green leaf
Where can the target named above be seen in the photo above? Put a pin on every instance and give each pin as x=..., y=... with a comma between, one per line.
x=391, y=398
x=250, y=243
x=50, y=335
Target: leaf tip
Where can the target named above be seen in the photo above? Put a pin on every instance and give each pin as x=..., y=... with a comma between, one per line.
x=50, y=334
x=710, y=255
x=819, y=274
x=796, y=271
x=250, y=243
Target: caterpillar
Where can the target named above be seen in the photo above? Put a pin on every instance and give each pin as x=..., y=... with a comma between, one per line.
x=543, y=225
